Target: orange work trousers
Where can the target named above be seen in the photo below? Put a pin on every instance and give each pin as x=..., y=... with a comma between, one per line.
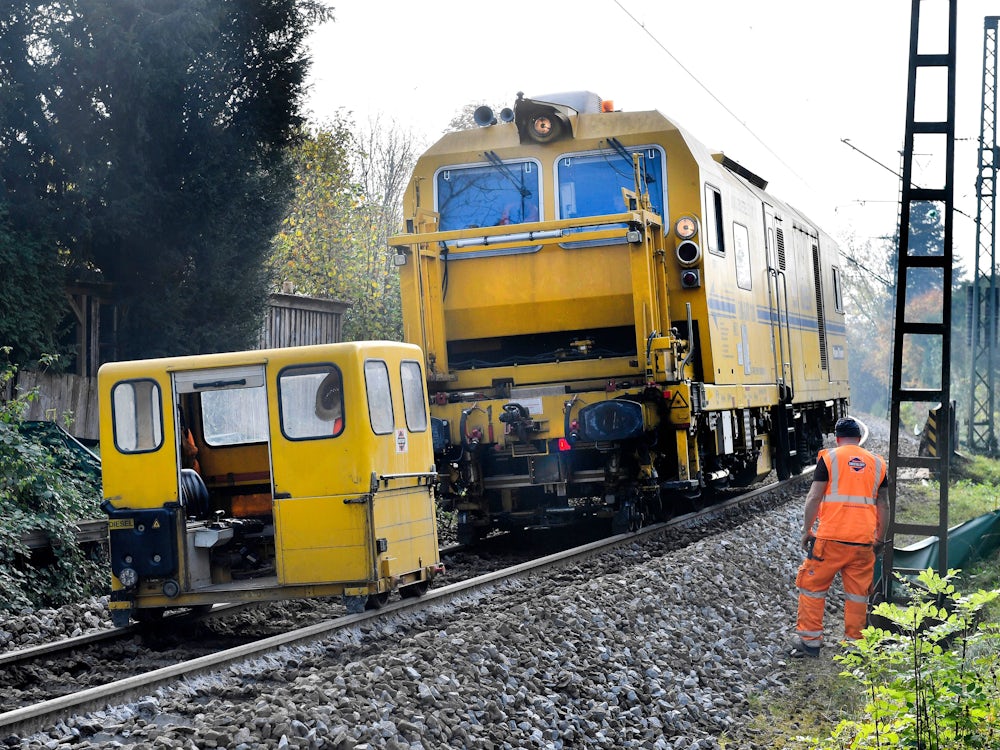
x=856, y=565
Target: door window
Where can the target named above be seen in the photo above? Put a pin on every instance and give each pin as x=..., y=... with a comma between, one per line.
x=413, y=396
x=311, y=401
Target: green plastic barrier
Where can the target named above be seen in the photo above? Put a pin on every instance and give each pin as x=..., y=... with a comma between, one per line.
x=970, y=541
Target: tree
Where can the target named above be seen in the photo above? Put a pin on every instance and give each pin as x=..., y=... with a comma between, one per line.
x=870, y=281
x=32, y=301
x=158, y=130
x=334, y=239
x=869, y=278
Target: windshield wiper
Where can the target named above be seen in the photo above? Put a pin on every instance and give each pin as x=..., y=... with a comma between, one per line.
x=627, y=156
x=498, y=164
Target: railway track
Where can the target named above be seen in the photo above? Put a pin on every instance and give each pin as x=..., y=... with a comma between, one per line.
x=29, y=718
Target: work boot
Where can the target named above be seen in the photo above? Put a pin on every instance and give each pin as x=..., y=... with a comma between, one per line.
x=801, y=649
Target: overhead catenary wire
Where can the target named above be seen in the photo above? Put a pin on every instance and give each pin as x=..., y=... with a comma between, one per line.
x=847, y=142
x=707, y=90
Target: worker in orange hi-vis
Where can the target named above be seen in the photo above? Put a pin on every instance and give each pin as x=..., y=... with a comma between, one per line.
x=849, y=500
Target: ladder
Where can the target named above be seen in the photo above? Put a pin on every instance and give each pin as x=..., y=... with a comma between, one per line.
x=916, y=336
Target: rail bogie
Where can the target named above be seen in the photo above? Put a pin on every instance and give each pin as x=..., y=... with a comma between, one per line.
x=616, y=320
x=265, y=475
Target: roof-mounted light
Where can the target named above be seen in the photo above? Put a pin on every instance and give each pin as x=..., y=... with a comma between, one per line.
x=541, y=122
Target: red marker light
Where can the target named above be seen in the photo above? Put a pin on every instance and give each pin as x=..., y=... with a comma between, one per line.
x=564, y=445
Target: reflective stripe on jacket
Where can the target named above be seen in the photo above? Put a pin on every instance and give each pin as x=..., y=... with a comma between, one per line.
x=848, y=512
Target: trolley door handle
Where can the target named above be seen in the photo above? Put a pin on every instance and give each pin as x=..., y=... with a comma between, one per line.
x=428, y=475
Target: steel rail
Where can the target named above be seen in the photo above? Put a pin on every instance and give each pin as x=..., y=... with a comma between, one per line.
x=37, y=717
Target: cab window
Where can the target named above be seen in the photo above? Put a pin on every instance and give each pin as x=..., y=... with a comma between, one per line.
x=495, y=194
x=379, y=396
x=413, y=395
x=138, y=421
x=311, y=401
x=234, y=416
x=590, y=184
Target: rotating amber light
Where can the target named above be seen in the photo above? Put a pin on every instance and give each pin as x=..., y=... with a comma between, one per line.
x=686, y=227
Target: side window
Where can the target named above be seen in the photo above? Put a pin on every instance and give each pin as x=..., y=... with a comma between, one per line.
x=311, y=401
x=138, y=421
x=713, y=221
x=838, y=295
x=413, y=395
x=379, y=396
x=741, y=254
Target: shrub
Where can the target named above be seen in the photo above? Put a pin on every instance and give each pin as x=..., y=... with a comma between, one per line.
x=932, y=680
x=39, y=491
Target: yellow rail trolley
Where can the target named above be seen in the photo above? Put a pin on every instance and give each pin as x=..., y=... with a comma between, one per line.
x=274, y=474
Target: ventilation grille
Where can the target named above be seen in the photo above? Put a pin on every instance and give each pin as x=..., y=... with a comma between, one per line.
x=780, y=239
x=820, y=317
x=746, y=174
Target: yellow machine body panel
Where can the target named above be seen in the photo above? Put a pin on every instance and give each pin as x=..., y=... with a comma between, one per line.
x=601, y=277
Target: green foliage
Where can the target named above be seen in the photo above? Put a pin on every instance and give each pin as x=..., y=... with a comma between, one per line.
x=932, y=678
x=32, y=301
x=870, y=298
x=146, y=140
x=37, y=492
x=977, y=470
x=969, y=497
x=868, y=308
x=333, y=242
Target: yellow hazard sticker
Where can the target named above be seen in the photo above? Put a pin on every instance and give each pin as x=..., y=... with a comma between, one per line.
x=121, y=523
x=156, y=523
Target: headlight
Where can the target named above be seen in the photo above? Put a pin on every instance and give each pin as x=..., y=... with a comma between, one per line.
x=686, y=227
x=128, y=577
x=688, y=253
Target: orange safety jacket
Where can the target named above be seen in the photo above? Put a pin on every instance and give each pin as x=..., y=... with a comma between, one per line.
x=848, y=512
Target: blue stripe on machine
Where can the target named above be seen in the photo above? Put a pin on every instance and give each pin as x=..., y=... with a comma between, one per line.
x=724, y=308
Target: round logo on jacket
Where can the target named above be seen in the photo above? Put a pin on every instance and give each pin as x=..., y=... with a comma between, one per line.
x=857, y=464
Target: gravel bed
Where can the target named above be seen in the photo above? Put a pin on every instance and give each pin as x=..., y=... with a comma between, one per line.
x=649, y=647
x=652, y=647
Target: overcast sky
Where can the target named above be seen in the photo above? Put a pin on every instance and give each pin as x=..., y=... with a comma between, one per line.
x=775, y=84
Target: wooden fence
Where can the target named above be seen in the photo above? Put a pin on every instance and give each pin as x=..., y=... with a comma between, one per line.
x=71, y=400
x=68, y=399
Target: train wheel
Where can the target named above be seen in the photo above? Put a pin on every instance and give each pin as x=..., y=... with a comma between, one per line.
x=745, y=475
x=414, y=589
x=696, y=500
x=377, y=601
x=469, y=534
x=626, y=519
x=148, y=616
